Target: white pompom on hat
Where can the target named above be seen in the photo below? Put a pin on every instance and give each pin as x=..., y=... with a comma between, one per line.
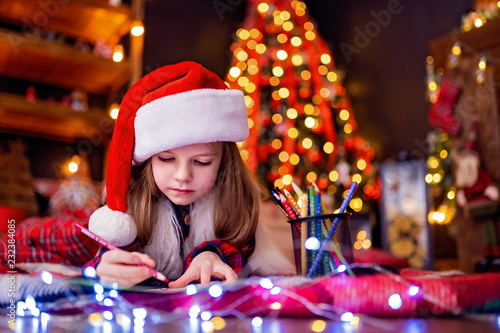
x=171, y=107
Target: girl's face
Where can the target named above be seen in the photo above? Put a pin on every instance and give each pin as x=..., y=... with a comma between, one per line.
x=187, y=173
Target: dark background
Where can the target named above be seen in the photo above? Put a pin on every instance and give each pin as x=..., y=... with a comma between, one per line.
x=385, y=79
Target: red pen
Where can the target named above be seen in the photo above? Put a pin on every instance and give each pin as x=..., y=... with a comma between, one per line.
x=288, y=209
x=110, y=246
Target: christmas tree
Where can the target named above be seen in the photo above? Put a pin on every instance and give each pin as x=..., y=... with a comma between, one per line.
x=302, y=127
x=16, y=182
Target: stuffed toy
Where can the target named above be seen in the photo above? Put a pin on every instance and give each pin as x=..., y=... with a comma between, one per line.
x=474, y=184
x=478, y=195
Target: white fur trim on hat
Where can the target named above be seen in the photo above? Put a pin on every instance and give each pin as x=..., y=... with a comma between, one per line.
x=114, y=226
x=196, y=116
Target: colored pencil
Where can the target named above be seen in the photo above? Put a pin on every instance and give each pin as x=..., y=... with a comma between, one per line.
x=103, y=242
x=323, y=208
x=312, y=223
x=297, y=190
x=319, y=232
x=336, y=221
x=310, y=203
x=277, y=202
x=292, y=202
x=303, y=232
x=287, y=206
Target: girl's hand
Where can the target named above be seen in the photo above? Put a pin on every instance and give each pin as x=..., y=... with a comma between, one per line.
x=122, y=267
x=203, y=267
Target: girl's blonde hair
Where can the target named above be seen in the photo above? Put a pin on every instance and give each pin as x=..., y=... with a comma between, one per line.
x=237, y=195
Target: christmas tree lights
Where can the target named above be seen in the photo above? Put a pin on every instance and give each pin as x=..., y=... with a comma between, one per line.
x=440, y=179
x=302, y=128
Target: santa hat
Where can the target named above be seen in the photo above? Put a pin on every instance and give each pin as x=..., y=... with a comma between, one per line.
x=171, y=107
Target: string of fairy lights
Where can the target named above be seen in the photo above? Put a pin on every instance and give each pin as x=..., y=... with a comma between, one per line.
x=477, y=18
x=302, y=127
x=254, y=301
x=107, y=307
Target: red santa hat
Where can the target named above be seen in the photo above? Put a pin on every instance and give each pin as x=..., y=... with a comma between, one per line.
x=171, y=107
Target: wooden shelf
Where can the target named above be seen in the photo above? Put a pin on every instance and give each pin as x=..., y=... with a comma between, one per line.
x=59, y=64
x=484, y=38
x=53, y=121
x=88, y=20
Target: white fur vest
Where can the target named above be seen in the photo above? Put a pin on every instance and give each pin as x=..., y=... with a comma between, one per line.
x=165, y=247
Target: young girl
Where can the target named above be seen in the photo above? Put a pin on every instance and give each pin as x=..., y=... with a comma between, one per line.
x=193, y=211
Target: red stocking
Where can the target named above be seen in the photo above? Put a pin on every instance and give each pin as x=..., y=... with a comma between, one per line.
x=441, y=112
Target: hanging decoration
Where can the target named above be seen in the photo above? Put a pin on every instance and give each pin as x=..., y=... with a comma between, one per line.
x=462, y=163
x=477, y=18
x=302, y=127
x=443, y=94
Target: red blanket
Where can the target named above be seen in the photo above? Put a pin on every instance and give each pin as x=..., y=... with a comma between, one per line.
x=56, y=240
x=51, y=239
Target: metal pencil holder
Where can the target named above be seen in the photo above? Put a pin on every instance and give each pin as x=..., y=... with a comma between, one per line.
x=338, y=252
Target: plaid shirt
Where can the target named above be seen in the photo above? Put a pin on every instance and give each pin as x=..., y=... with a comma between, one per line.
x=228, y=254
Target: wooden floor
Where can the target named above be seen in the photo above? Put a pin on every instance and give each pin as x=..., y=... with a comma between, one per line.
x=74, y=324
